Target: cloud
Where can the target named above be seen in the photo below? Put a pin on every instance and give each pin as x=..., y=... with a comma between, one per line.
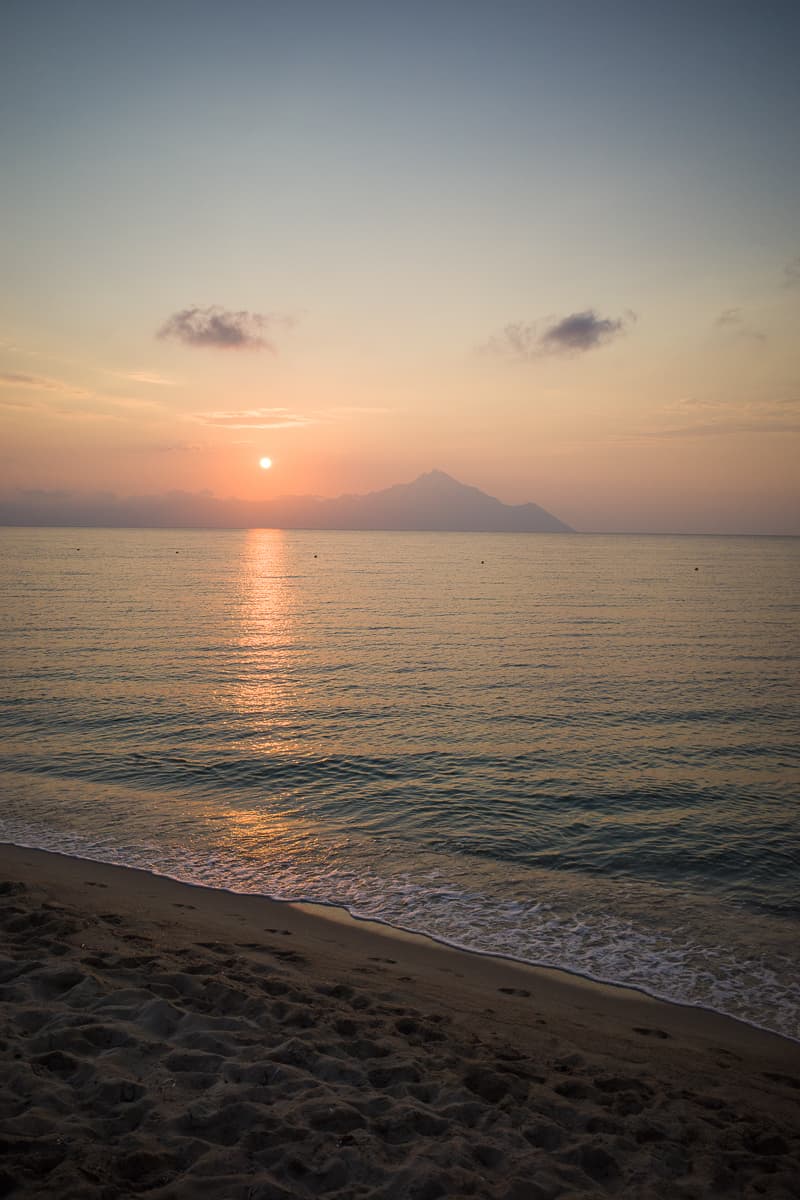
x=768, y=415
x=255, y=418
x=791, y=273
x=152, y=377
x=732, y=322
x=220, y=329
x=574, y=334
x=72, y=403
x=581, y=331
x=283, y=418
x=729, y=316
x=356, y=410
x=42, y=383
x=164, y=447
x=715, y=429
x=516, y=341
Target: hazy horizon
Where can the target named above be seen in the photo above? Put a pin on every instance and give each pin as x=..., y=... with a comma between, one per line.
x=176, y=509
x=553, y=250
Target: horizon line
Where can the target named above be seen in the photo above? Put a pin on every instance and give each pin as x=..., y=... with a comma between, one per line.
x=448, y=532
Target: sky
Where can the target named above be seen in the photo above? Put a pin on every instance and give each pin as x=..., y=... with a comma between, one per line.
x=550, y=248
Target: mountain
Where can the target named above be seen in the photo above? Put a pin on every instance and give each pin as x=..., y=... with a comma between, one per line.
x=433, y=501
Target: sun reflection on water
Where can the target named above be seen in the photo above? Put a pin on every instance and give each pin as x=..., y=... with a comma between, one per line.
x=262, y=688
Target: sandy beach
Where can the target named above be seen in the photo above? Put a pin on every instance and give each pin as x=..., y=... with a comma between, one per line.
x=172, y=1041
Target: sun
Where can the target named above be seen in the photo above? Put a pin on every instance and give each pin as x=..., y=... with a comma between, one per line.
x=265, y=463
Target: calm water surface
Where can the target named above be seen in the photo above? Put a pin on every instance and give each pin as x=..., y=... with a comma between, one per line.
x=577, y=750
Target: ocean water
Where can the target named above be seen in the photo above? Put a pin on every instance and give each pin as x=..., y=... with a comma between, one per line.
x=581, y=751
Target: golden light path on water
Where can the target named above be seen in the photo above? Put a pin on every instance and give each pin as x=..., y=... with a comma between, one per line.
x=576, y=751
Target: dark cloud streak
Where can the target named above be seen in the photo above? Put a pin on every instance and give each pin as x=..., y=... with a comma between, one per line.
x=220, y=329
x=574, y=334
x=581, y=331
x=42, y=383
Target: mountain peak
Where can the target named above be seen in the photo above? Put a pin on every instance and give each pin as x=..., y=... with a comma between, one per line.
x=435, y=477
x=435, y=500
x=435, y=473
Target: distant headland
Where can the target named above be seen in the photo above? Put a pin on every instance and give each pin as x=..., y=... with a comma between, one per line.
x=433, y=501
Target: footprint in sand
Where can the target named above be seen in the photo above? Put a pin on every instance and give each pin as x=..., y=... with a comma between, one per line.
x=659, y=1033
x=514, y=991
x=289, y=956
x=93, y=883
x=777, y=1077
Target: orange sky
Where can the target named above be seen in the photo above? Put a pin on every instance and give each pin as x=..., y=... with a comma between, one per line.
x=559, y=264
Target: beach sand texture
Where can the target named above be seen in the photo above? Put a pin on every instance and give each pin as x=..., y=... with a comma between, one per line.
x=161, y=1040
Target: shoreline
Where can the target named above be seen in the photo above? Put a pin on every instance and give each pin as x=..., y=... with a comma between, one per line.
x=578, y=978
x=329, y=910
x=181, y=1041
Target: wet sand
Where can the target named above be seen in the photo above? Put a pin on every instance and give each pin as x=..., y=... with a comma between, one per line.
x=162, y=1040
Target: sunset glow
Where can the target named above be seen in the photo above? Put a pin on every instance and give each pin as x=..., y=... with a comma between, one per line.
x=393, y=244
x=265, y=463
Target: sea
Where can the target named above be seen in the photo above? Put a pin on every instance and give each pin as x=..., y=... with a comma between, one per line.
x=580, y=750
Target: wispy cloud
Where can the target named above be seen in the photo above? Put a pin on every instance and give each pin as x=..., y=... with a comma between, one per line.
x=284, y=418
x=719, y=428
x=151, y=377
x=357, y=410
x=256, y=418
x=42, y=383
x=62, y=399
x=733, y=322
x=220, y=329
x=791, y=273
x=719, y=419
x=573, y=334
x=164, y=447
x=133, y=404
x=517, y=341
x=102, y=408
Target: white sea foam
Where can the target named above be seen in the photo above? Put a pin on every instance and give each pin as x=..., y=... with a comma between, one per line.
x=750, y=973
